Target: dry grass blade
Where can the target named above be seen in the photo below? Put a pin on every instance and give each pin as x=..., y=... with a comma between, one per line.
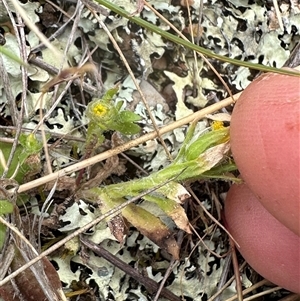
x=236, y=271
x=250, y=289
x=278, y=14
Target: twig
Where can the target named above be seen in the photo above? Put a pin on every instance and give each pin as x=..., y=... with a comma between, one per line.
x=223, y=277
x=19, y=234
x=278, y=14
x=172, y=264
x=3, y=74
x=160, y=290
x=149, y=284
x=20, y=36
x=77, y=16
x=6, y=260
x=212, y=218
x=44, y=138
x=250, y=289
x=135, y=164
x=200, y=16
x=59, y=9
x=266, y=292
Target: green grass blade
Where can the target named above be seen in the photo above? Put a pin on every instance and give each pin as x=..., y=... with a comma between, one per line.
x=12, y=56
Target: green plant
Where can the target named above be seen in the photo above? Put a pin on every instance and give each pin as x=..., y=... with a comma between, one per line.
x=25, y=159
x=5, y=208
x=105, y=115
x=193, y=161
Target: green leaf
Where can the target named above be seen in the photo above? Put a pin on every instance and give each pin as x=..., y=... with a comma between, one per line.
x=222, y=172
x=126, y=128
x=31, y=146
x=119, y=105
x=110, y=94
x=94, y=133
x=2, y=235
x=6, y=207
x=12, y=56
x=128, y=116
x=30, y=143
x=6, y=149
x=205, y=142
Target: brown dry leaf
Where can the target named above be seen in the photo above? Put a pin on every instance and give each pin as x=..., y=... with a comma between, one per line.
x=42, y=284
x=179, y=217
x=63, y=183
x=68, y=74
x=118, y=228
x=215, y=154
x=152, y=227
x=172, y=209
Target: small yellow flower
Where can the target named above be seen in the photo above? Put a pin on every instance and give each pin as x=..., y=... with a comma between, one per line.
x=217, y=125
x=99, y=110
